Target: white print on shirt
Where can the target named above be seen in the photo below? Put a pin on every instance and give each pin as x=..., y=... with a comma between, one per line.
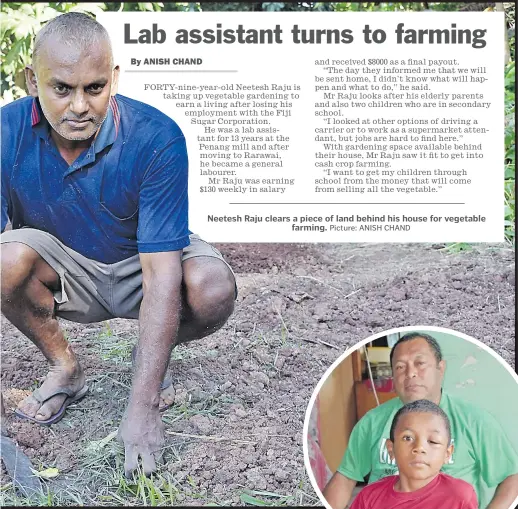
x=385, y=457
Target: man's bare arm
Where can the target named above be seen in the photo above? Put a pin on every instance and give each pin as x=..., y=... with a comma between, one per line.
x=339, y=490
x=142, y=429
x=159, y=320
x=505, y=494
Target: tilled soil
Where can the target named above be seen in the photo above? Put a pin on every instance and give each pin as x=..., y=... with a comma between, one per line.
x=242, y=393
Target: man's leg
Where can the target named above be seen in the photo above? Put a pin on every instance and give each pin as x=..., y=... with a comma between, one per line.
x=28, y=303
x=208, y=297
x=28, y=286
x=208, y=294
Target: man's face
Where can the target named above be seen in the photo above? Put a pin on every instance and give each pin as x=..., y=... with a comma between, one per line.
x=74, y=87
x=416, y=372
x=421, y=445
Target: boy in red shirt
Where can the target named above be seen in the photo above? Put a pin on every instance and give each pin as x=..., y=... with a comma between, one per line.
x=420, y=439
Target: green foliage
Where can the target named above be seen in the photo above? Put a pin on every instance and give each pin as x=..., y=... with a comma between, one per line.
x=230, y=6
x=267, y=498
x=262, y=6
x=398, y=6
x=134, y=6
x=510, y=151
x=511, y=24
x=20, y=23
x=447, y=6
x=273, y=6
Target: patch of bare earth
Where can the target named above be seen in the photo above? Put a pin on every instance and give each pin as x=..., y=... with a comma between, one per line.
x=241, y=394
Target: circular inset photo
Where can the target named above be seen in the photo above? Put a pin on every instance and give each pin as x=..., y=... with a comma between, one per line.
x=415, y=418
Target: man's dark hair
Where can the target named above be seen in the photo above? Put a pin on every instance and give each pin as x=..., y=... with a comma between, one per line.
x=421, y=406
x=416, y=335
x=74, y=29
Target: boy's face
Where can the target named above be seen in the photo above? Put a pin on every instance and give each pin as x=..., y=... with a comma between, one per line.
x=420, y=445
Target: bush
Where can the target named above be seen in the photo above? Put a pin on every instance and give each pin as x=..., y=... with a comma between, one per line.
x=20, y=22
x=509, y=191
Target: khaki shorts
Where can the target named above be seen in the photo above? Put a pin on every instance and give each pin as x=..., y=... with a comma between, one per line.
x=92, y=291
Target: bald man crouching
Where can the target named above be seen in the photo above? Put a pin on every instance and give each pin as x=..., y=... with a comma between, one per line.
x=95, y=226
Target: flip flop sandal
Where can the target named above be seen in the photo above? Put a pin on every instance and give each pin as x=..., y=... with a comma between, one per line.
x=72, y=397
x=166, y=383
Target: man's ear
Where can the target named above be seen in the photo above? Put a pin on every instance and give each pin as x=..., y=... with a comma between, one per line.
x=390, y=448
x=442, y=367
x=31, y=80
x=115, y=80
x=449, y=454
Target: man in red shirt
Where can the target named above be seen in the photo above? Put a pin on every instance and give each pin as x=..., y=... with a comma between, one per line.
x=420, y=442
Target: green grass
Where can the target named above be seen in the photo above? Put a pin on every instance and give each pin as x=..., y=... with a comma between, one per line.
x=299, y=496
x=457, y=247
x=116, y=347
x=113, y=347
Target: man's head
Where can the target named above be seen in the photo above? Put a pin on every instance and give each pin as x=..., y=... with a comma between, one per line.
x=72, y=74
x=417, y=368
x=420, y=438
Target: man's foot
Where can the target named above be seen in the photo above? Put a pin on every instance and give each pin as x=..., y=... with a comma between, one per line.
x=60, y=387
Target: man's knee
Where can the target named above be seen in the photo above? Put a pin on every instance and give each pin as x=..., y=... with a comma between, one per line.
x=18, y=262
x=210, y=288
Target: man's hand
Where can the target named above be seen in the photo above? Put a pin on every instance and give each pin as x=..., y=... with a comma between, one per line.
x=142, y=433
x=141, y=430
x=339, y=490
